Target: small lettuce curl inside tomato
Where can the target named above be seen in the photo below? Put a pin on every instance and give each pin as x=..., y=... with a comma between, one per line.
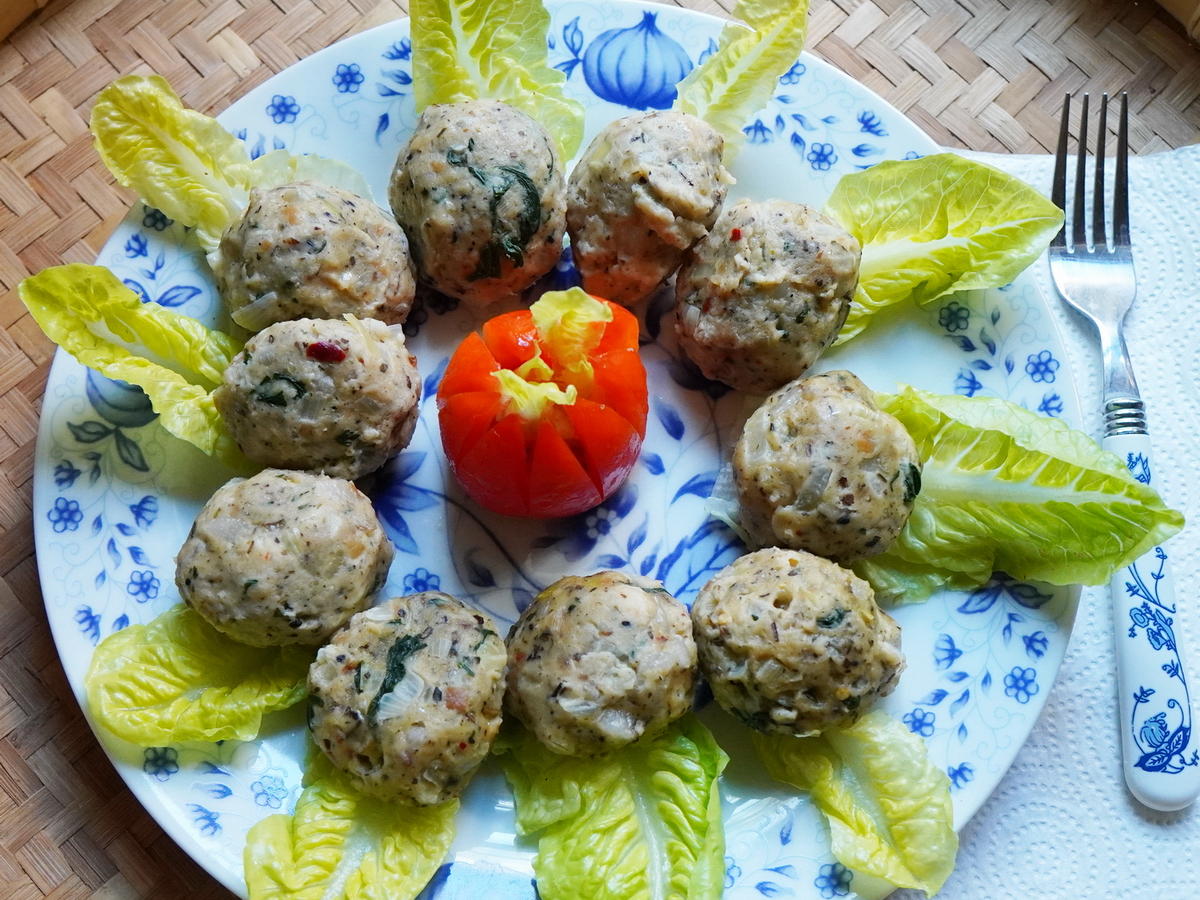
x=543, y=414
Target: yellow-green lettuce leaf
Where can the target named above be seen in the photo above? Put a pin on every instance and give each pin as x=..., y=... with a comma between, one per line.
x=492, y=49
x=280, y=167
x=737, y=79
x=934, y=225
x=342, y=845
x=177, y=361
x=1004, y=489
x=644, y=822
x=178, y=679
x=887, y=804
x=178, y=160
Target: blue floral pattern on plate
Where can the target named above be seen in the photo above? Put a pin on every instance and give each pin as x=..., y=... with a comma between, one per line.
x=114, y=496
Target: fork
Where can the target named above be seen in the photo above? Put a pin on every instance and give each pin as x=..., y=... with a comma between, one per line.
x=1097, y=279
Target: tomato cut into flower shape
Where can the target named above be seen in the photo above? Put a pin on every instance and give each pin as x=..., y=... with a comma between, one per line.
x=544, y=413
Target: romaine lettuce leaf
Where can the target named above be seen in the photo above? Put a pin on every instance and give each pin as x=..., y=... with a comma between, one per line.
x=644, y=822
x=178, y=679
x=170, y=356
x=934, y=225
x=1004, y=489
x=888, y=805
x=342, y=845
x=737, y=80
x=181, y=161
x=493, y=49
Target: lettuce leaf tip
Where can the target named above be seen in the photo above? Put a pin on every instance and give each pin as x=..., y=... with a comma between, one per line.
x=738, y=78
x=176, y=360
x=888, y=806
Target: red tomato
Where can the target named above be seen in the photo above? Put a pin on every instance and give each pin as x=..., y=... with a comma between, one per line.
x=545, y=423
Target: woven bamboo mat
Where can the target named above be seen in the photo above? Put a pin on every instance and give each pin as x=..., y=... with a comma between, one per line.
x=985, y=74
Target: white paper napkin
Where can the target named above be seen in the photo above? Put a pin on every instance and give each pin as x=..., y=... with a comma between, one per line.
x=1061, y=824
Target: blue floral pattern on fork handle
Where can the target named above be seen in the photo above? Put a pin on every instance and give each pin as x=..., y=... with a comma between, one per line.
x=1155, y=701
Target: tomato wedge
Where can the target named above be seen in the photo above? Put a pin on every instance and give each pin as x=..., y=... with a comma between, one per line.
x=543, y=415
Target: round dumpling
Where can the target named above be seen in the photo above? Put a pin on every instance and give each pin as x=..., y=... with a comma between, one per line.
x=648, y=186
x=595, y=662
x=283, y=558
x=820, y=467
x=406, y=699
x=766, y=292
x=308, y=250
x=327, y=395
x=792, y=643
x=480, y=192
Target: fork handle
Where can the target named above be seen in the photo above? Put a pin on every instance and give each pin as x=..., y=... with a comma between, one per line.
x=1160, y=750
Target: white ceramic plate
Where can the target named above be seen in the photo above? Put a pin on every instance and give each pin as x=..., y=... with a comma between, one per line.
x=114, y=495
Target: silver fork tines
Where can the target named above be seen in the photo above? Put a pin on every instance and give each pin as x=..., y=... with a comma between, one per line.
x=1094, y=276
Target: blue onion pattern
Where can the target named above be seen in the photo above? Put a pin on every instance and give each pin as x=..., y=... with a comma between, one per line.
x=401, y=49
x=120, y=404
x=636, y=67
x=869, y=123
x=348, y=77
x=794, y=73
x=954, y=317
x=65, y=474
x=153, y=218
x=1164, y=737
x=822, y=156
x=920, y=721
x=136, y=247
x=732, y=872
x=283, y=109
x=1036, y=643
x=160, y=763
x=960, y=775
x=1051, y=405
x=65, y=515
x=421, y=580
x=258, y=147
x=145, y=511
x=1139, y=466
x=833, y=880
x=206, y=821
x=269, y=791
x=143, y=585
x=1042, y=366
x=757, y=133
x=1021, y=683
x=88, y=622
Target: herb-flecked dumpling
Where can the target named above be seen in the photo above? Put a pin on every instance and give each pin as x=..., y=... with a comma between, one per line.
x=283, y=558
x=337, y=396
x=406, y=699
x=479, y=190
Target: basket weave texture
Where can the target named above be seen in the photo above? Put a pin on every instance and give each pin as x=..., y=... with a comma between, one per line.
x=985, y=74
